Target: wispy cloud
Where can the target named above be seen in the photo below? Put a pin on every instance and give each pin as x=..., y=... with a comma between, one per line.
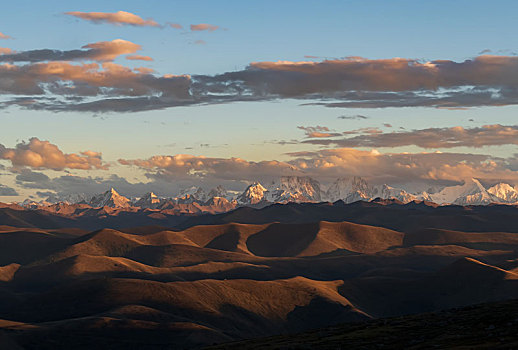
x=99, y=51
x=368, y=130
x=139, y=58
x=353, y=117
x=487, y=135
x=4, y=37
x=116, y=18
x=203, y=26
x=175, y=25
x=318, y=131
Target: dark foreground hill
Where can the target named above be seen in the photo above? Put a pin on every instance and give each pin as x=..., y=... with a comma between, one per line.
x=483, y=326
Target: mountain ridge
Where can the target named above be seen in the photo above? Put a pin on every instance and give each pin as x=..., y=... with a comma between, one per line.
x=297, y=189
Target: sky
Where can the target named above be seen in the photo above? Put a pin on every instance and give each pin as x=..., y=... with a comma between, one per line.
x=162, y=95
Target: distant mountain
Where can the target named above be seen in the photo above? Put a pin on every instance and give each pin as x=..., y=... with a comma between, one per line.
x=149, y=201
x=253, y=194
x=470, y=193
x=71, y=198
x=219, y=204
x=505, y=192
x=219, y=191
x=191, y=195
x=388, y=213
x=389, y=192
x=295, y=189
x=109, y=199
x=350, y=190
x=299, y=189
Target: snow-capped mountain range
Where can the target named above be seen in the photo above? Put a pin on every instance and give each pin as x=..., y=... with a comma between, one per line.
x=297, y=189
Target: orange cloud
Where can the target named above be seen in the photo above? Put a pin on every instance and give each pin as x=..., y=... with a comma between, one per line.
x=203, y=26
x=397, y=74
x=117, y=18
x=404, y=167
x=184, y=165
x=44, y=155
x=351, y=82
x=175, y=25
x=357, y=82
x=5, y=51
x=330, y=164
x=3, y=36
x=99, y=51
x=109, y=50
x=90, y=80
x=368, y=130
x=139, y=58
x=144, y=70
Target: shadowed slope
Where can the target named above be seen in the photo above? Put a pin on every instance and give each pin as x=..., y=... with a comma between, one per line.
x=466, y=281
x=183, y=255
x=229, y=237
x=486, y=326
x=270, y=240
x=323, y=237
x=403, y=218
x=91, y=266
x=475, y=240
x=160, y=287
x=115, y=243
x=25, y=246
x=239, y=307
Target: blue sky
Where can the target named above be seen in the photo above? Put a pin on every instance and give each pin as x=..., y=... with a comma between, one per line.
x=258, y=31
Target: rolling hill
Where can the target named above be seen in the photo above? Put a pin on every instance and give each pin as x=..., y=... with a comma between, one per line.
x=162, y=286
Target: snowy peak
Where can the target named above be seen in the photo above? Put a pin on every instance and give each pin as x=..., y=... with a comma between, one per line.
x=505, y=192
x=339, y=189
x=253, y=194
x=73, y=198
x=360, y=185
x=295, y=189
x=149, y=201
x=191, y=195
x=219, y=191
x=110, y=198
x=388, y=192
x=470, y=193
x=349, y=190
